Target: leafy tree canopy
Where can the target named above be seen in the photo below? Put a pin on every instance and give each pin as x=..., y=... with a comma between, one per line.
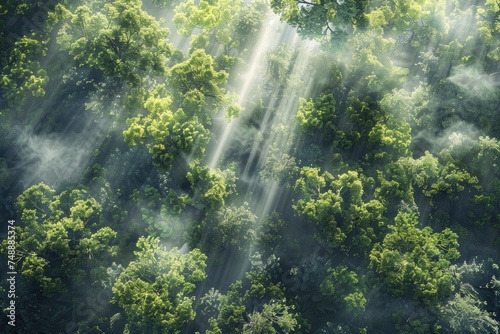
x=413, y=262
x=154, y=289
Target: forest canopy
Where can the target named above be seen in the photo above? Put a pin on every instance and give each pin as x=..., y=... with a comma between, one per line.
x=224, y=166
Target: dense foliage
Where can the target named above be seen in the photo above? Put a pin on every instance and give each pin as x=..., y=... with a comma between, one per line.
x=180, y=166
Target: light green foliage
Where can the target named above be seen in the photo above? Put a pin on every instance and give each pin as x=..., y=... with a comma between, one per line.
x=196, y=83
x=34, y=202
x=489, y=28
x=24, y=75
x=488, y=171
x=210, y=186
x=230, y=311
x=413, y=262
x=337, y=205
x=198, y=42
x=394, y=137
x=318, y=116
x=17, y=7
x=61, y=238
x=346, y=289
x=207, y=15
x=426, y=20
x=423, y=170
x=166, y=132
x=437, y=180
x=451, y=180
x=197, y=74
x=477, y=291
x=118, y=38
x=154, y=290
x=231, y=23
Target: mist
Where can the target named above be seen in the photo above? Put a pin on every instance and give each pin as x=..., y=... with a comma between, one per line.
x=251, y=167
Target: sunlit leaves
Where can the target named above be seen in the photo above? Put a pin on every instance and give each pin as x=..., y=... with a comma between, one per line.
x=166, y=133
x=208, y=14
x=489, y=28
x=275, y=317
x=61, y=237
x=318, y=116
x=337, y=206
x=120, y=39
x=258, y=306
x=154, y=290
x=24, y=74
x=210, y=186
x=35, y=201
x=468, y=310
x=412, y=262
x=392, y=135
x=464, y=313
x=198, y=74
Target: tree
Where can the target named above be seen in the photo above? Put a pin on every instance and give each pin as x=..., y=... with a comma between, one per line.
x=346, y=289
x=230, y=23
x=23, y=74
x=154, y=289
x=336, y=205
x=472, y=307
x=163, y=220
x=421, y=21
x=318, y=116
x=61, y=239
x=332, y=21
x=464, y=313
x=228, y=228
x=257, y=305
x=275, y=317
x=413, y=262
x=280, y=167
x=371, y=67
x=178, y=116
x=117, y=38
x=196, y=82
x=210, y=186
x=270, y=235
x=207, y=15
x=165, y=131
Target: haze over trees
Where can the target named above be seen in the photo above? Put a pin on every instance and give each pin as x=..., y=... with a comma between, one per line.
x=219, y=166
